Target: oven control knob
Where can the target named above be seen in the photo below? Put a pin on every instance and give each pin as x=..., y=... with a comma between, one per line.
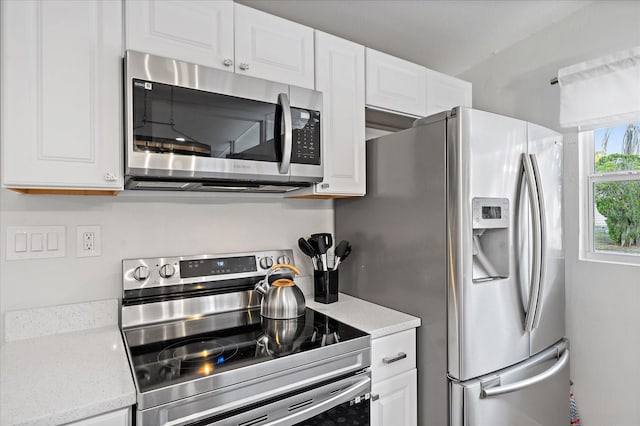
x=266, y=262
x=141, y=273
x=167, y=271
x=284, y=259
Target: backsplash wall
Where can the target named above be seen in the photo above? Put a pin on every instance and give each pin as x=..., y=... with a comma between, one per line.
x=137, y=225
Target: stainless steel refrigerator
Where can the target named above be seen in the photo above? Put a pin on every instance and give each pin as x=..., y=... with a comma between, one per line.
x=462, y=227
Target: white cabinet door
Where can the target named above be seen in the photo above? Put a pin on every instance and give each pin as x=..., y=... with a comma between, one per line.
x=397, y=401
x=115, y=418
x=340, y=77
x=395, y=84
x=273, y=48
x=194, y=31
x=445, y=92
x=62, y=94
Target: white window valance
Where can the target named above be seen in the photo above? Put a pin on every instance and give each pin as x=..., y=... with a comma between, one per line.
x=601, y=92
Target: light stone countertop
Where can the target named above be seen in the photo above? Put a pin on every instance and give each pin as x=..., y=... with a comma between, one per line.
x=374, y=319
x=50, y=379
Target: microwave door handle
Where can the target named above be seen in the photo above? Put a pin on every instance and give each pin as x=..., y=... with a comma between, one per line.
x=287, y=140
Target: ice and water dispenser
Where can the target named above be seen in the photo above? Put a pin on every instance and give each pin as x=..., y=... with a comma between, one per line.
x=490, y=239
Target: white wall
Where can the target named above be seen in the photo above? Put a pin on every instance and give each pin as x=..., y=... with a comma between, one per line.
x=136, y=226
x=603, y=300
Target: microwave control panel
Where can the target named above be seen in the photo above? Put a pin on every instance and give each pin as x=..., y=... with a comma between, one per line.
x=306, y=136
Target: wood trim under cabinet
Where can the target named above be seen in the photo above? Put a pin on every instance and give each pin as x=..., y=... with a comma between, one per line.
x=323, y=196
x=38, y=191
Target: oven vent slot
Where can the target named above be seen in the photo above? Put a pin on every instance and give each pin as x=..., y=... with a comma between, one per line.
x=300, y=404
x=254, y=421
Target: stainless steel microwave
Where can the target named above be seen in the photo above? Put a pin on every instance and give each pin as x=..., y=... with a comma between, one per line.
x=190, y=127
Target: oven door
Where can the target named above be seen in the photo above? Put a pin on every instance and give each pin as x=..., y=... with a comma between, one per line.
x=345, y=402
x=189, y=122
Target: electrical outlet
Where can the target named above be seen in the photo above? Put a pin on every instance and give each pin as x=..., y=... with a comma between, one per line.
x=88, y=241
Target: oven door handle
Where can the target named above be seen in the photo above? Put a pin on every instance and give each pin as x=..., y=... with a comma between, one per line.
x=359, y=388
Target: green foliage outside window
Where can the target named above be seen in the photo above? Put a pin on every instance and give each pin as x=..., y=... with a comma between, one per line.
x=619, y=202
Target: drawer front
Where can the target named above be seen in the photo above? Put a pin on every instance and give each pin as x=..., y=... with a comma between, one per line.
x=393, y=354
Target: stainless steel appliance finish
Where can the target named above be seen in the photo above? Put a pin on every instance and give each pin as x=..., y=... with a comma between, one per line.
x=236, y=144
x=525, y=394
x=467, y=207
x=201, y=353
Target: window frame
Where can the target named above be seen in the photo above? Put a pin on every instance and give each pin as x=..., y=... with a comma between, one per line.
x=589, y=177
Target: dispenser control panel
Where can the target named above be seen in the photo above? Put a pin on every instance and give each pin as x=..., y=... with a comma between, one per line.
x=490, y=213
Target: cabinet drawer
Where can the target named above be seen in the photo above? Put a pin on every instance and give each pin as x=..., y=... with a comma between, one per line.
x=393, y=354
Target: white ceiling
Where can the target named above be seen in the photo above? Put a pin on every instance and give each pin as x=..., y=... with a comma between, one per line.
x=449, y=36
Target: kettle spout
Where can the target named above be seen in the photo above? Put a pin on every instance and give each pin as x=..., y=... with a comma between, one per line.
x=262, y=287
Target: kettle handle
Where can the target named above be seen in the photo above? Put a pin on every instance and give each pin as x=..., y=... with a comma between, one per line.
x=283, y=266
x=263, y=286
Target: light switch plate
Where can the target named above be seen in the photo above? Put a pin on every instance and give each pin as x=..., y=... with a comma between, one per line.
x=35, y=242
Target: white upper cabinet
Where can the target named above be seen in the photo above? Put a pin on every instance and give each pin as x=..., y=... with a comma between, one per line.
x=395, y=84
x=445, y=92
x=62, y=94
x=273, y=48
x=340, y=77
x=194, y=31
x=225, y=35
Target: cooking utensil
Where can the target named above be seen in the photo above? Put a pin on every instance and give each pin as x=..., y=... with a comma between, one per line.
x=308, y=249
x=342, y=251
x=322, y=251
x=313, y=242
x=328, y=239
x=281, y=297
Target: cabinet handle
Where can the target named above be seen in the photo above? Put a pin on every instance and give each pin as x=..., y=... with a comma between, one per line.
x=324, y=186
x=244, y=66
x=110, y=177
x=227, y=62
x=390, y=359
x=375, y=396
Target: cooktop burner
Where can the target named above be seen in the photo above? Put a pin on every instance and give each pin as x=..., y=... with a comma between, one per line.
x=181, y=351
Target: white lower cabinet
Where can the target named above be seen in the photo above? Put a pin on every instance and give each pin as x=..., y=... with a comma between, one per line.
x=394, y=401
x=61, y=94
x=394, y=380
x=120, y=417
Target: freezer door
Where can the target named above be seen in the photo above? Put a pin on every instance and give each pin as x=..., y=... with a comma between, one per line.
x=532, y=393
x=545, y=152
x=485, y=301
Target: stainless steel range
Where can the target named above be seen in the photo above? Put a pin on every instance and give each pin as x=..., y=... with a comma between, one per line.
x=201, y=354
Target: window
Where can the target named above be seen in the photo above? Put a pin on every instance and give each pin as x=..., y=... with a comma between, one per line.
x=612, y=169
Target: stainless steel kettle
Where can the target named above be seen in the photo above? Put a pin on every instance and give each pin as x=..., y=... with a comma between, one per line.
x=281, y=297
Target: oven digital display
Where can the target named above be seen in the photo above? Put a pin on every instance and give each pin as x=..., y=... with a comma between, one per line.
x=217, y=266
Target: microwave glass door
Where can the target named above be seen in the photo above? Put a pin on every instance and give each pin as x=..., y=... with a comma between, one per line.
x=170, y=119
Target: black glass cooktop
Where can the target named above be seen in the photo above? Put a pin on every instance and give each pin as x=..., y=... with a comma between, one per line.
x=177, y=352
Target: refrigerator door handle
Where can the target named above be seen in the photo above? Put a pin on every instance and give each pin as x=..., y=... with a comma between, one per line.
x=535, y=219
x=543, y=237
x=489, y=389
